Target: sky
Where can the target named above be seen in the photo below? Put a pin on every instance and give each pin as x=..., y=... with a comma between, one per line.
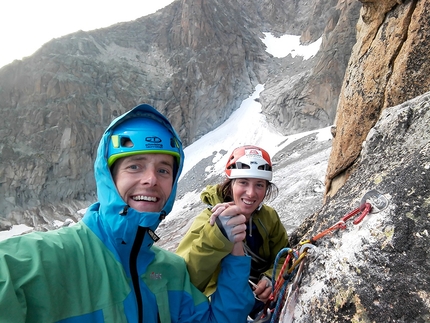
x=248, y=120
x=25, y=25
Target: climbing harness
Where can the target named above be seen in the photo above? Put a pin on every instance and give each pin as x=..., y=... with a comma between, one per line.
x=280, y=305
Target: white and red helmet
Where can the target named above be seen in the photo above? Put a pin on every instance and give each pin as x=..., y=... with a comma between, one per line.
x=249, y=162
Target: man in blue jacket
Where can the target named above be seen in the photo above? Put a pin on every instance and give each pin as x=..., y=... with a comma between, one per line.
x=106, y=268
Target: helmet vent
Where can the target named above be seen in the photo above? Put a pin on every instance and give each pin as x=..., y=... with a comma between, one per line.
x=126, y=142
x=239, y=165
x=265, y=167
x=173, y=143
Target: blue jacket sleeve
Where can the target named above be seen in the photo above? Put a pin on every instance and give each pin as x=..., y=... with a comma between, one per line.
x=231, y=302
x=233, y=298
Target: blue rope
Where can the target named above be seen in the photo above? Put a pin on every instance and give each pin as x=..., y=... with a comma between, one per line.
x=278, y=256
x=275, y=314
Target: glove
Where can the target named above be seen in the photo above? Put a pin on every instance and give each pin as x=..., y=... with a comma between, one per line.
x=221, y=222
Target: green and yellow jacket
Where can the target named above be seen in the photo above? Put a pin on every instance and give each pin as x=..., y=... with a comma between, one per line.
x=204, y=246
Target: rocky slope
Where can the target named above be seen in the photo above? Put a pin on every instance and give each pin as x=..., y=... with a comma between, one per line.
x=376, y=271
x=300, y=97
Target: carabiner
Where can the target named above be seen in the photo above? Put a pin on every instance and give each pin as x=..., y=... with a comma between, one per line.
x=262, y=317
x=366, y=211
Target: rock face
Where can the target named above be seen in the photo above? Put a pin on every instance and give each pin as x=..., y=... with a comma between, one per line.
x=195, y=61
x=307, y=98
x=388, y=66
x=376, y=271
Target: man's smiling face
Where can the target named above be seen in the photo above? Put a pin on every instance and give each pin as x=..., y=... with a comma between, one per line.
x=144, y=181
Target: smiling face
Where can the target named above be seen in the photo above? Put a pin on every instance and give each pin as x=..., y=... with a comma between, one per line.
x=248, y=193
x=144, y=181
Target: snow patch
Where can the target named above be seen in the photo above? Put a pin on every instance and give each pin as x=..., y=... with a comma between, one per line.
x=290, y=44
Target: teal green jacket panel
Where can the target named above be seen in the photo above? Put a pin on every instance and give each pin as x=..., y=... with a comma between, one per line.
x=50, y=276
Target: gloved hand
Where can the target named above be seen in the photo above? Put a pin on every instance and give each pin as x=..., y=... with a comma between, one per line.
x=229, y=220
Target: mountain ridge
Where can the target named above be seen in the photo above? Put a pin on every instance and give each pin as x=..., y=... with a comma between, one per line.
x=194, y=61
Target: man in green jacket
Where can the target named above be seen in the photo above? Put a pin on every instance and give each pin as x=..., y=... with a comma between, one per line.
x=106, y=267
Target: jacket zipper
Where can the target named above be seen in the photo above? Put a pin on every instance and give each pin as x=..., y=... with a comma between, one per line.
x=133, y=270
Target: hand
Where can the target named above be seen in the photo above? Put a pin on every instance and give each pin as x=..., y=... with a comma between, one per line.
x=220, y=208
x=233, y=227
x=230, y=221
x=262, y=289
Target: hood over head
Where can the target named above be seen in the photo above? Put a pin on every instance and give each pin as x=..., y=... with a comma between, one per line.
x=150, y=132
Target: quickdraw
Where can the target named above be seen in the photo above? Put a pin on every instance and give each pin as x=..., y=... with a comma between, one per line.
x=293, y=267
x=290, y=272
x=278, y=288
x=287, y=313
x=366, y=208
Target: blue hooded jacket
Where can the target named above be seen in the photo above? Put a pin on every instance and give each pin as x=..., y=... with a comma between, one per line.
x=106, y=268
